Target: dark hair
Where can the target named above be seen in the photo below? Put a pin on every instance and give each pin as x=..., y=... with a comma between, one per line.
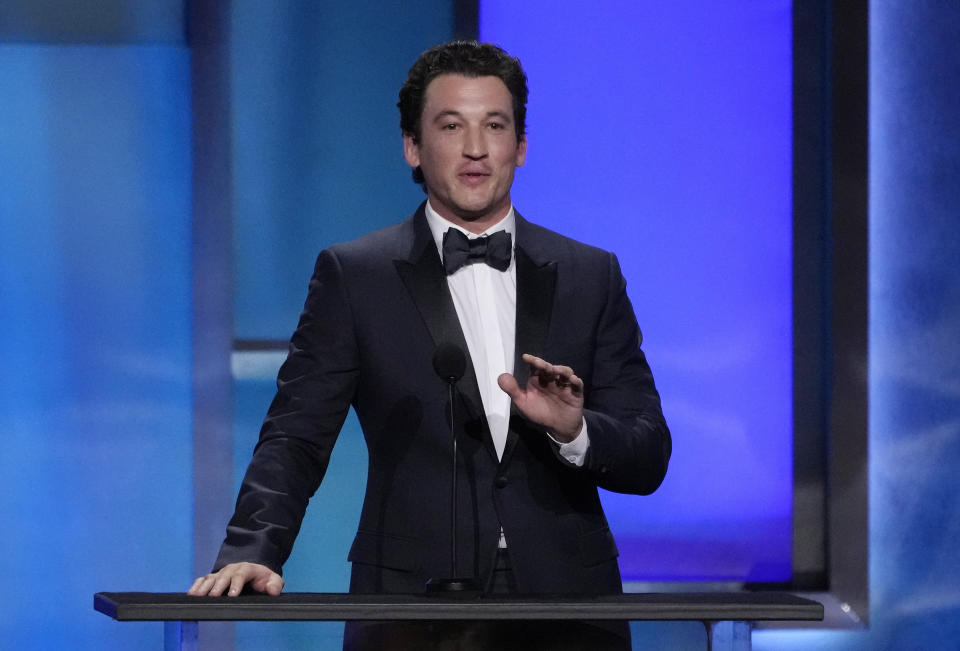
x=467, y=58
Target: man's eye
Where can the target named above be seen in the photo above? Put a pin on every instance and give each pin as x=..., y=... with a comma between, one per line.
x=496, y=125
x=450, y=127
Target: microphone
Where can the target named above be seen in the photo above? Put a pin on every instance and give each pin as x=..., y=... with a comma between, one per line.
x=450, y=363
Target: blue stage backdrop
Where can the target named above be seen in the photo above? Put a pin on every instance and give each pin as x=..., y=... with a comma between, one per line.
x=317, y=151
x=94, y=337
x=662, y=131
x=914, y=353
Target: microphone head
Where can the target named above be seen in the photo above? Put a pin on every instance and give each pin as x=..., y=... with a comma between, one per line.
x=449, y=362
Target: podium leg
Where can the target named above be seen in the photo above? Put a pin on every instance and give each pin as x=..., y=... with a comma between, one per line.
x=728, y=636
x=180, y=636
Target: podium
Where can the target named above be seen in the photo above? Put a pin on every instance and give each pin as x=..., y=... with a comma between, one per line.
x=726, y=616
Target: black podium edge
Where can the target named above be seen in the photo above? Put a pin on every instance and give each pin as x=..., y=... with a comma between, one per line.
x=147, y=606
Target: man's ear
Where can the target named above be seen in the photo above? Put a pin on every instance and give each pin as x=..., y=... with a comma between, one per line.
x=521, y=151
x=411, y=150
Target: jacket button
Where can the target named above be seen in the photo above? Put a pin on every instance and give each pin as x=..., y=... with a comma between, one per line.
x=604, y=470
x=502, y=481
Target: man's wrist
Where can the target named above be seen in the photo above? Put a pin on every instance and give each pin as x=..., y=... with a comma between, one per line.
x=567, y=437
x=575, y=450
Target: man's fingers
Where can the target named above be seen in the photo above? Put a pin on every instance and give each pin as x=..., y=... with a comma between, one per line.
x=564, y=372
x=548, y=374
x=197, y=588
x=561, y=375
x=236, y=583
x=202, y=585
x=575, y=383
x=220, y=584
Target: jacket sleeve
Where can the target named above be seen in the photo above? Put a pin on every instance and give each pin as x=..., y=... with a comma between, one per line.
x=630, y=443
x=315, y=387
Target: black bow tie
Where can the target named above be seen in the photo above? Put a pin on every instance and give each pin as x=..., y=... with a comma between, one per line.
x=459, y=251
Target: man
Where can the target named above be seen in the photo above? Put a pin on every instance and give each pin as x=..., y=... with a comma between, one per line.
x=536, y=437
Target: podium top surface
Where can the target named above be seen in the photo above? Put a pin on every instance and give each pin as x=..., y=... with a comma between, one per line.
x=305, y=606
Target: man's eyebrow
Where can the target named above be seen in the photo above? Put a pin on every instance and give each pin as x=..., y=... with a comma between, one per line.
x=500, y=114
x=448, y=113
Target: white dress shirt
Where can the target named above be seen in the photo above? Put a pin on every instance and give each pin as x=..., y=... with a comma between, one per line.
x=486, y=304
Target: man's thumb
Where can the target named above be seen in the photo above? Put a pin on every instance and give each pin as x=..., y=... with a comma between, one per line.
x=274, y=585
x=509, y=385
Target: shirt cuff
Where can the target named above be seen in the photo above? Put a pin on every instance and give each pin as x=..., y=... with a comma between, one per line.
x=576, y=450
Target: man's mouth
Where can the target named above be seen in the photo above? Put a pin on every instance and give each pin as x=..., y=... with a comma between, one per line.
x=473, y=178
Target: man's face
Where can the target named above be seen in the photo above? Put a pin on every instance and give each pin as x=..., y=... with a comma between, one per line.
x=468, y=149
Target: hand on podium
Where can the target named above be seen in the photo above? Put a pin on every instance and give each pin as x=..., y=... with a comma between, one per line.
x=233, y=577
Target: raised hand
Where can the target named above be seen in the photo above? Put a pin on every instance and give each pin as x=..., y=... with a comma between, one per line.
x=552, y=398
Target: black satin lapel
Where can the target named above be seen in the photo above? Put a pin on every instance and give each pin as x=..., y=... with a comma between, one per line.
x=535, y=289
x=427, y=284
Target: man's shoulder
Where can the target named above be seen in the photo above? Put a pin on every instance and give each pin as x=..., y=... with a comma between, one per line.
x=382, y=240
x=387, y=243
x=544, y=242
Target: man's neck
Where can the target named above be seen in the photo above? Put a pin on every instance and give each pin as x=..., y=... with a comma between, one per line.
x=475, y=226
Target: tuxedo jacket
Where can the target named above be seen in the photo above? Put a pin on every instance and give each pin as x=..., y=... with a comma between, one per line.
x=376, y=310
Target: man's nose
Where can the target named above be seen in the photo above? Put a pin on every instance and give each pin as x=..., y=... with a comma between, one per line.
x=474, y=144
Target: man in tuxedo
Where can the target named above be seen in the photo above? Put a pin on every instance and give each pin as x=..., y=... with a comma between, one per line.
x=557, y=398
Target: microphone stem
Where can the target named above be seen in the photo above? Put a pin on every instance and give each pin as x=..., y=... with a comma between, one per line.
x=453, y=491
